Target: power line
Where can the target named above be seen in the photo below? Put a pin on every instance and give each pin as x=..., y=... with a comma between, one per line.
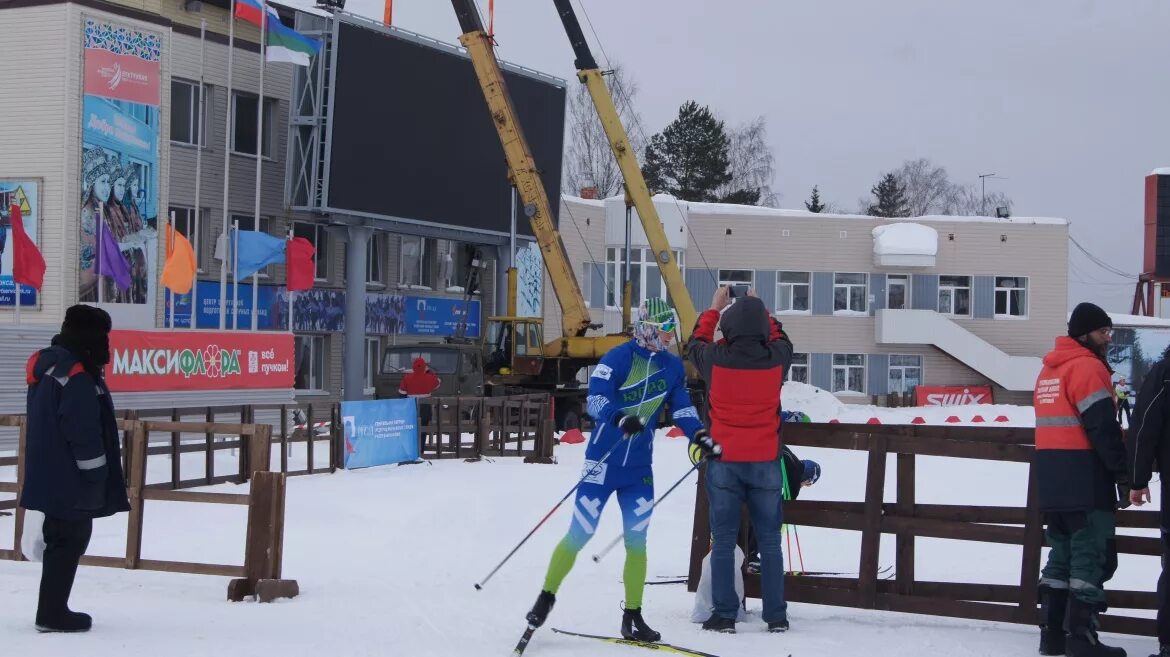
x=589, y=251
x=1101, y=263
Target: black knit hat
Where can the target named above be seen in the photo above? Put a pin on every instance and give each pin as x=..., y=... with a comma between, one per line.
x=1086, y=318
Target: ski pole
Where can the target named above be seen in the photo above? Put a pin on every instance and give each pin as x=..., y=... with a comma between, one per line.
x=599, y=556
x=592, y=471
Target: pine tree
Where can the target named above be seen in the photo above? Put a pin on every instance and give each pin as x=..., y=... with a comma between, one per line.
x=891, y=198
x=689, y=159
x=813, y=204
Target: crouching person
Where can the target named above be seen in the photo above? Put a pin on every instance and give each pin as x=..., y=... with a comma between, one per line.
x=73, y=470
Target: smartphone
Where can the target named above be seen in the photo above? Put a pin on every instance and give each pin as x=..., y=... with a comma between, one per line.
x=737, y=291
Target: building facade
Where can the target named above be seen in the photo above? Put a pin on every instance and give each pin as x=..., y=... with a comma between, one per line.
x=929, y=301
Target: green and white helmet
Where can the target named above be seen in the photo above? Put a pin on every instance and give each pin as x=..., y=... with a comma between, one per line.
x=654, y=315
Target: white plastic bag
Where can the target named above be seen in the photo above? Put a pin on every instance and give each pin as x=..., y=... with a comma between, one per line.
x=32, y=541
x=705, y=601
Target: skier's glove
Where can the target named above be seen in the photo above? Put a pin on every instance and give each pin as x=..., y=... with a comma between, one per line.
x=707, y=445
x=631, y=424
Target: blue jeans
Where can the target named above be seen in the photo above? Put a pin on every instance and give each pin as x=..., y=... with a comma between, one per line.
x=729, y=486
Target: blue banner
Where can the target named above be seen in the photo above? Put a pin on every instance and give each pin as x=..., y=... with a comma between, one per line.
x=379, y=432
x=431, y=316
x=273, y=302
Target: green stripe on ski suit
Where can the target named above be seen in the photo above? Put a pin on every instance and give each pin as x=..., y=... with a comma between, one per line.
x=634, y=573
x=640, y=396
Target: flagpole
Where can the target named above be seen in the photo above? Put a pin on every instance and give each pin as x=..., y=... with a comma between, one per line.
x=287, y=287
x=259, y=148
x=235, y=242
x=199, y=169
x=99, y=262
x=18, y=290
x=170, y=243
x=227, y=159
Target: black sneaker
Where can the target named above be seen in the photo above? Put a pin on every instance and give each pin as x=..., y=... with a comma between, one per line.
x=778, y=626
x=719, y=624
x=70, y=621
x=753, y=567
x=635, y=628
x=544, y=604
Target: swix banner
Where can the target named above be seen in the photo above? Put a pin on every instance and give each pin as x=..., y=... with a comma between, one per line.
x=152, y=361
x=952, y=395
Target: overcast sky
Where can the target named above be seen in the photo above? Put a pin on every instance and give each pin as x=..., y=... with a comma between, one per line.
x=1069, y=100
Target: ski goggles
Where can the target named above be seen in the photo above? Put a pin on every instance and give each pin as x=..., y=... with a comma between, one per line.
x=667, y=326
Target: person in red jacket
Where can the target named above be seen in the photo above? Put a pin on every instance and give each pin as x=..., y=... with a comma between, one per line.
x=1080, y=466
x=420, y=382
x=744, y=373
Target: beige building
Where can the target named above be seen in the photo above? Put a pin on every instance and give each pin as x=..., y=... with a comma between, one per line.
x=872, y=305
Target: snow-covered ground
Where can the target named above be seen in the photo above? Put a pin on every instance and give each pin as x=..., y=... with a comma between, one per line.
x=386, y=559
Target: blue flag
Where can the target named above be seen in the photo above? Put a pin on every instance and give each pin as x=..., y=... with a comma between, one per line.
x=255, y=251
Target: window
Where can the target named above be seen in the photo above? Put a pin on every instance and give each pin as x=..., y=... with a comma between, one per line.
x=244, y=124
x=792, y=291
x=374, y=259
x=185, y=125
x=799, y=370
x=737, y=277
x=905, y=373
x=194, y=231
x=897, y=291
x=416, y=262
x=440, y=360
x=954, y=295
x=310, y=362
x=849, y=373
x=315, y=233
x=1011, y=296
x=371, y=361
x=456, y=264
x=249, y=223
x=850, y=293
x=642, y=268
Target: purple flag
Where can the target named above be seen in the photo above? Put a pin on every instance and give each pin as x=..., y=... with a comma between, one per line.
x=110, y=261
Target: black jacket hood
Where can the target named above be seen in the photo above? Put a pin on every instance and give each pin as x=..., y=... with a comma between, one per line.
x=747, y=318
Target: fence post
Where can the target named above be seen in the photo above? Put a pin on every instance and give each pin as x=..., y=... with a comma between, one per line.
x=701, y=536
x=259, y=449
x=176, y=455
x=209, y=470
x=263, y=555
x=22, y=445
x=139, y=446
x=483, y=431
x=1033, y=542
x=309, y=436
x=904, y=565
x=284, y=438
x=871, y=533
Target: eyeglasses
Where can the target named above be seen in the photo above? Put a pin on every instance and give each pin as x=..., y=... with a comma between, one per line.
x=1105, y=332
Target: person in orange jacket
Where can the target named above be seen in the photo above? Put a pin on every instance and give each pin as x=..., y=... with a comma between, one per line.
x=1080, y=468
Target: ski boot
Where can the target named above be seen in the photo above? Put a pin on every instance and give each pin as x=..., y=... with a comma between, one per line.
x=544, y=604
x=1053, y=605
x=635, y=628
x=1082, y=638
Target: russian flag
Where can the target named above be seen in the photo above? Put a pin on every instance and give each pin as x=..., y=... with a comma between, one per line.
x=250, y=11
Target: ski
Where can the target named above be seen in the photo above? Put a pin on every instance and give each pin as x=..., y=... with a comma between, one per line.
x=524, y=641
x=662, y=647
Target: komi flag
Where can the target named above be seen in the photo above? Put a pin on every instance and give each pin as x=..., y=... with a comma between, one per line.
x=285, y=44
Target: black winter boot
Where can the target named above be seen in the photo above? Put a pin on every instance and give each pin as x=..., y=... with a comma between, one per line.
x=719, y=624
x=65, y=542
x=1082, y=638
x=635, y=628
x=69, y=621
x=1053, y=605
x=544, y=604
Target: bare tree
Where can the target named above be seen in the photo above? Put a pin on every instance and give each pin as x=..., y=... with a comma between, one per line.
x=752, y=165
x=927, y=187
x=589, y=162
x=968, y=201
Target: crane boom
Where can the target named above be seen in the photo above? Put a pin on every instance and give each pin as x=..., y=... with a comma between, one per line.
x=619, y=142
x=522, y=169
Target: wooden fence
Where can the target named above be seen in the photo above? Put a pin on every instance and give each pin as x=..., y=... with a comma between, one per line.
x=908, y=519
x=500, y=426
x=260, y=574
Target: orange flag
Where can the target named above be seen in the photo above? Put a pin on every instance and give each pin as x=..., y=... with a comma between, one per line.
x=178, y=273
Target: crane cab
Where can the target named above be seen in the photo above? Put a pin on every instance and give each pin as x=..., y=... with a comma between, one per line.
x=514, y=345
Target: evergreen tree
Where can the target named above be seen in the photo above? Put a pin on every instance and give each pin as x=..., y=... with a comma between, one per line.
x=890, y=197
x=689, y=159
x=813, y=204
x=742, y=197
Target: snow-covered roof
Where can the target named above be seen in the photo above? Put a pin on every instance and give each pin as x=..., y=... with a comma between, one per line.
x=1161, y=171
x=1138, y=321
x=905, y=239
x=760, y=211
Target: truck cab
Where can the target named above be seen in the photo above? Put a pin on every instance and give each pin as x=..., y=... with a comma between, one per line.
x=458, y=366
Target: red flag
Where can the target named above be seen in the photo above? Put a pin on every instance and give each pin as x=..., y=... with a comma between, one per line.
x=299, y=263
x=28, y=265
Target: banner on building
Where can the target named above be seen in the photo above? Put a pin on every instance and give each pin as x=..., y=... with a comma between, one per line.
x=119, y=165
x=529, y=281
x=153, y=361
x=322, y=310
x=23, y=194
x=952, y=395
x=379, y=432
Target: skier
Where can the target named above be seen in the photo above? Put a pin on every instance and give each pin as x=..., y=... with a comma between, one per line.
x=1079, y=458
x=1123, y=393
x=626, y=393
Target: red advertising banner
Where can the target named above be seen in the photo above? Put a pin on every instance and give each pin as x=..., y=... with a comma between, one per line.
x=144, y=361
x=122, y=76
x=952, y=395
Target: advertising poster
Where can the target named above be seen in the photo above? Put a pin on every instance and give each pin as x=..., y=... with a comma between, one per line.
x=150, y=361
x=21, y=193
x=119, y=165
x=379, y=432
x=952, y=395
x=273, y=302
x=529, y=281
x=440, y=317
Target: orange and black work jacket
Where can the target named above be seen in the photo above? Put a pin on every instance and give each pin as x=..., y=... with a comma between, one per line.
x=1079, y=451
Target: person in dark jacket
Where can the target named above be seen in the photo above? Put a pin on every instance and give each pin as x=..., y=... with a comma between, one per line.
x=1080, y=459
x=744, y=373
x=73, y=470
x=1147, y=444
